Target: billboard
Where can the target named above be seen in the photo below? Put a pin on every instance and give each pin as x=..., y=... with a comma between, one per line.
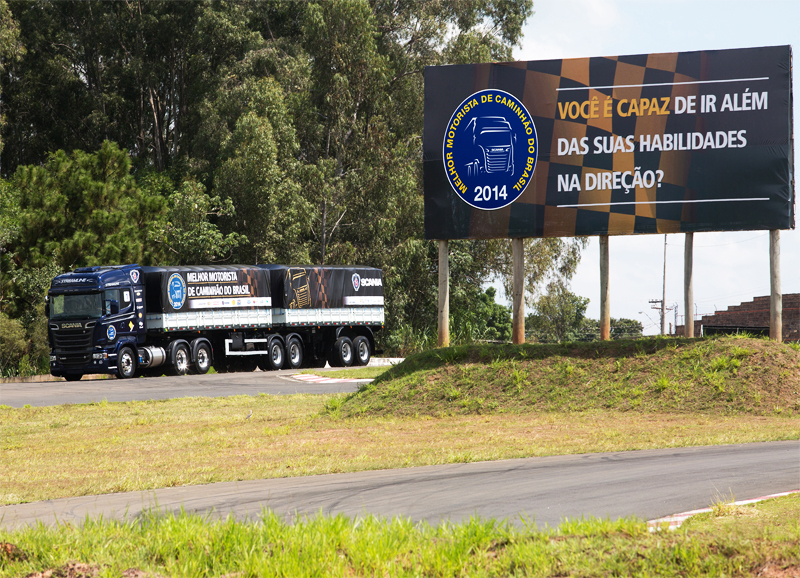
x=650, y=143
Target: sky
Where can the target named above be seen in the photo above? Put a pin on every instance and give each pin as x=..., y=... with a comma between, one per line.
x=731, y=267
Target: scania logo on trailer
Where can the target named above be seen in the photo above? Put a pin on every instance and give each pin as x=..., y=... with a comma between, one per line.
x=490, y=149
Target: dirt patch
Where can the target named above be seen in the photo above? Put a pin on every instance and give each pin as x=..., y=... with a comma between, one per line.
x=70, y=570
x=776, y=570
x=12, y=553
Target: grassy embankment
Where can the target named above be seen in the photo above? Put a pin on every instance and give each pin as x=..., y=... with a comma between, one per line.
x=445, y=406
x=755, y=540
x=702, y=376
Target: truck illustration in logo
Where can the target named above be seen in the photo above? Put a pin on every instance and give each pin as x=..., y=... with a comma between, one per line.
x=297, y=286
x=489, y=149
x=493, y=140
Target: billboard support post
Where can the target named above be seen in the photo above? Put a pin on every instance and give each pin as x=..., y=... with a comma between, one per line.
x=605, y=303
x=688, y=289
x=444, y=294
x=518, y=282
x=664, y=293
x=775, y=298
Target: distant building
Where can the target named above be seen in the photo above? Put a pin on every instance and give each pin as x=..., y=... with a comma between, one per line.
x=751, y=317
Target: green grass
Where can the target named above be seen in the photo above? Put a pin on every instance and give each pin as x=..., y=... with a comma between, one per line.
x=76, y=450
x=351, y=373
x=721, y=376
x=761, y=541
x=461, y=404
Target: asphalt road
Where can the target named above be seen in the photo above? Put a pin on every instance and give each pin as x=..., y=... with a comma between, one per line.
x=649, y=484
x=145, y=388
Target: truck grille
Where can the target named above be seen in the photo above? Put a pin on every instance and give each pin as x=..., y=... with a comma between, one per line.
x=496, y=162
x=73, y=346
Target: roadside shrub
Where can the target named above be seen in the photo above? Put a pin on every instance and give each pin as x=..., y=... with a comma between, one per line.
x=23, y=349
x=13, y=345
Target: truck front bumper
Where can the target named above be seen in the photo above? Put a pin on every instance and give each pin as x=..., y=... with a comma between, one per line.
x=97, y=361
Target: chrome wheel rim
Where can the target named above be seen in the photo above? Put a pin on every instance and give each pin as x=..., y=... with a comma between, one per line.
x=277, y=355
x=181, y=360
x=126, y=364
x=203, y=359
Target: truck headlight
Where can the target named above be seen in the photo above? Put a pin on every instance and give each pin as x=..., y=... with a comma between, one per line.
x=53, y=358
x=100, y=356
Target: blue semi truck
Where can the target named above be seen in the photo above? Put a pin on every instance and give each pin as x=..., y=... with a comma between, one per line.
x=132, y=320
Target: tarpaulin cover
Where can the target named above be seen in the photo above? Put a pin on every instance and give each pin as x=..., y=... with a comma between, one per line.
x=316, y=287
x=649, y=143
x=176, y=289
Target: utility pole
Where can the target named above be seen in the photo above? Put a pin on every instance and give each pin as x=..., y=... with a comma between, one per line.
x=675, y=308
x=658, y=305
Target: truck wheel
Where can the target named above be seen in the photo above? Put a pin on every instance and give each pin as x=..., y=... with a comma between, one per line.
x=342, y=354
x=126, y=363
x=294, y=354
x=202, y=362
x=275, y=356
x=181, y=360
x=73, y=376
x=362, y=349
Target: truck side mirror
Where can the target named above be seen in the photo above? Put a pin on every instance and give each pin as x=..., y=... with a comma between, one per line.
x=47, y=310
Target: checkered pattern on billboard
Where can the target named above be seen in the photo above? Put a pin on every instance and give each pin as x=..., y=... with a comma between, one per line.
x=658, y=143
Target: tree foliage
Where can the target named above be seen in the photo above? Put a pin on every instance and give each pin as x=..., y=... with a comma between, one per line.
x=187, y=235
x=83, y=209
x=255, y=131
x=558, y=314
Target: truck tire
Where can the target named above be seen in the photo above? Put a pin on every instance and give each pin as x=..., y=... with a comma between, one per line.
x=362, y=350
x=181, y=360
x=202, y=361
x=294, y=354
x=126, y=363
x=274, y=358
x=73, y=376
x=342, y=353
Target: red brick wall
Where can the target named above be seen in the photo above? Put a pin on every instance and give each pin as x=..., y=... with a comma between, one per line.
x=755, y=313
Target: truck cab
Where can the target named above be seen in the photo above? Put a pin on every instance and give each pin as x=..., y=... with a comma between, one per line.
x=493, y=140
x=95, y=321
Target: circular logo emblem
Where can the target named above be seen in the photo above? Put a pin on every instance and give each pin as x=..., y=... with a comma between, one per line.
x=356, y=281
x=111, y=333
x=176, y=289
x=490, y=149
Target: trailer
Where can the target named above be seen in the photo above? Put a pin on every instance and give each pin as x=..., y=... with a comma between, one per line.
x=131, y=320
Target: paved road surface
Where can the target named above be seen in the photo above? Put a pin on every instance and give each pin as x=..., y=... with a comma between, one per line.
x=214, y=385
x=649, y=484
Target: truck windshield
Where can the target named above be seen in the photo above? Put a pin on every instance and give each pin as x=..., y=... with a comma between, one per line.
x=88, y=306
x=490, y=138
